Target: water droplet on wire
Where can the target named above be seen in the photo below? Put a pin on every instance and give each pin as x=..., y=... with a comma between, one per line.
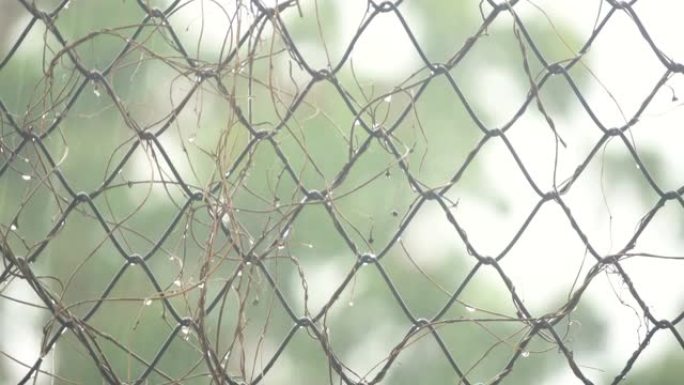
x=26, y=177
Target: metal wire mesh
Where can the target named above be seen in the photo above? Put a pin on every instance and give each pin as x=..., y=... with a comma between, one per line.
x=215, y=266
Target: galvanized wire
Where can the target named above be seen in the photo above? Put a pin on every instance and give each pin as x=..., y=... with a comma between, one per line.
x=255, y=250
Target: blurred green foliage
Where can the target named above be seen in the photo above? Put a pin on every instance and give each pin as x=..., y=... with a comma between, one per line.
x=206, y=140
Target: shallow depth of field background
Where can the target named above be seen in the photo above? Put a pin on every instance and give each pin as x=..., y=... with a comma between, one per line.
x=491, y=201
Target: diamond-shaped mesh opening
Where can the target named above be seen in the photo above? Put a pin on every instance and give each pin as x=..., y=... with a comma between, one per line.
x=316, y=192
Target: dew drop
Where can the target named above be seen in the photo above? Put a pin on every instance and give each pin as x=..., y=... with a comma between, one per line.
x=351, y=303
x=148, y=302
x=13, y=227
x=239, y=273
x=525, y=354
x=281, y=246
x=201, y=285
x=388, y=98
x=185, y=330
x=470, y=309
x=192, y=139
x=638, y=167
x=177, y=282
x=357, y=123
x=26, y=177
x=96, y=92
x=309, y=245
x=26, y=160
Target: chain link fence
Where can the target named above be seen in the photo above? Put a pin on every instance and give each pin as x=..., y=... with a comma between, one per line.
x=241, y=213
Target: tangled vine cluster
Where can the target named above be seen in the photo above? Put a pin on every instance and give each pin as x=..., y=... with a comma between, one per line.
x=171, y=228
